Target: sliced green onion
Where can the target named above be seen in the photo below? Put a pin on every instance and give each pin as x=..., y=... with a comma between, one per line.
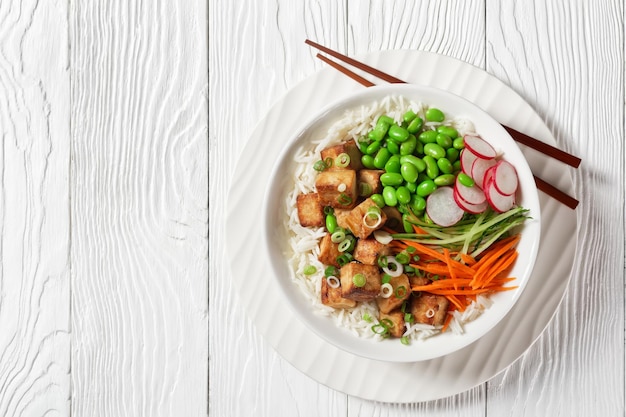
x=367, y=317
x=365, y=190
x=328, y=210
x=380, y=329
x=329, y=162
x=344, y=199
x=382, y=261
x=344, y=259
x=386, y=290
x=386, y=278
x=345, y=245
x=330, y=271
x=338, y=236
x=320, y=165
x=403, y=258
x=333, y=281
x=309, y=270
x=342, y=160
x=408, y=317
x=400, y=291
x=405, y=340
x=359, y=280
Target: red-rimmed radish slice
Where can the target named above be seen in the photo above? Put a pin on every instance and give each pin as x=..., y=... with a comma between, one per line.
x=467, y=160
x=479, y=168
x=499, y=202
x=472, y=195
x=479, y=147
x=505, y=178
x=470, y=208
x=442, y=208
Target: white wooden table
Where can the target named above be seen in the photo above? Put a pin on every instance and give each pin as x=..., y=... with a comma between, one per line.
x=115, y=292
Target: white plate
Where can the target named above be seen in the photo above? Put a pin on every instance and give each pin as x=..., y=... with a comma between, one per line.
x=280, y=185
x=264, y=303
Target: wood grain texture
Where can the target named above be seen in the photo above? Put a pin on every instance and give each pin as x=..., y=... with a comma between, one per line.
x=566, y=58
x=34, y=210
x=139, y=208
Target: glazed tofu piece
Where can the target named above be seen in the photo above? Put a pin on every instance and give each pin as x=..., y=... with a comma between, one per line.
x=371, y=179
x=332, y=296
x=341, y=215
x=368, y=250
x=329, y=251
x=349, y=147
x=356, y=223
x=419, y=281
x=394, y=218
x=401, y=291
x=368, y=291
x=310, y=211
x=337, y=189
x=429, y=308
x=396, y=318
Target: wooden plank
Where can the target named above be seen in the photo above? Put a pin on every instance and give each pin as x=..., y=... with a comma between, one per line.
x=257, y=53
x=566, y=59
x=139, y=208
x=34, y=209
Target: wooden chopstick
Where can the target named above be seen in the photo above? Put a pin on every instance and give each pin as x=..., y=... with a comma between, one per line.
x=542, y=185
x=520, y=137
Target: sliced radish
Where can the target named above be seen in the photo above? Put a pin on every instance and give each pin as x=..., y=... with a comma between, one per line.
x=472, y=195
x=499, y=202
x=467, y=160
x=442, y=208
x=479, y=147
x=468, y=207
x=505, y=178
x=479, y=167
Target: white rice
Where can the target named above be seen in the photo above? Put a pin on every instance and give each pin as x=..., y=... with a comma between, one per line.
x=304, y=241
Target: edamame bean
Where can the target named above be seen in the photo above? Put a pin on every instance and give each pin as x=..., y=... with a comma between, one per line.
x=418, y=203
x=386, y=120
x=331, y=223
x=411, y=186
x=444, y=179
x=465, y=179
x=433, y=114
x=398, y=133
x=409, y=172
x=403, y=195
x=381, y=158
x=378, y=199
x=389, y=195
x=444, y=141
x=391, y=178
x=408, y=146
x=448, y=131
x=378, y=133
x=393, y=146
x=425, y=188
x=362, y=144
x=412, y=159
x=428, y=136
x=458, y=143
x=368, y=161
x=457, y=165
x=434, y=150
x=415, y=125
x=393, y=164
x=409, y=116
x=432, y=170
x=372, y=148
x=445, y=166
x=452, y=154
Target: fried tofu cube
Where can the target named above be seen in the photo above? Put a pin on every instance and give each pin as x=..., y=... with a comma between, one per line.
x=357, y=224
x=419, y=281
x=329, y=251
x=350, y=148
x=337, y=189
x=368, y=291
x=401, y=292
x=341, y=215
x=368, y=250
x=332, y=296
x=394, y=218
x=310, y=211
x=429, y=308
x=369, y=180
x=395, y=322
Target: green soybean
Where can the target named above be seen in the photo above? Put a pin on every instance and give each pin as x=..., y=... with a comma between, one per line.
x=417, y=203
x=458, y=143
x=389, y=195
x=448, y=131
x=444, y=179
x=391, y=178
x=362, y=144
x=378, y=199
x=393, y=164
x=412, y=159
x=398, y=133
x=393, y=146
x=403, y=195
x=433, y=114
x=378, y=133
x=457, y=165
x=409, y=172
x=415, y=125
x=368, y=161
x=381, y=158
x=466, y=180
x=411, y=186
x=434, y=150
x=452, y=154
x=445, y=166
x=386, y=120
x=444, y=140
x=408, y=146
x=425, y=188
x=432, y=170
x=331, y=223
x=409, y=116
x=428, y=136
x=373, y=147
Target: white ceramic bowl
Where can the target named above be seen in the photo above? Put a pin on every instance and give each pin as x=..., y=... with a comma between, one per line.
x=274, y=212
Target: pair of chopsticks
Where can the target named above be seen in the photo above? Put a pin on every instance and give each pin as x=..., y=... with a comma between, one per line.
x=519, y=137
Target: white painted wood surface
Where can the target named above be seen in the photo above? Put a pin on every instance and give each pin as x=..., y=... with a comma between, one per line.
x=115, y=297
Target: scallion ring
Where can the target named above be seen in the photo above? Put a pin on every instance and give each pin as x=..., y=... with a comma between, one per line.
x=400, y=292
x=430, y=313
x=359, y=280
x=309, y=270
x=372, y=220
x=344, y=199
x=333, y=281
x=403, y=258
x=342, y=160
x=344, y=245
x=338, y=236
x=405, y=340
x=342, y=187
x=320, y=166
x=365, y=190
x=329, y=162
x=330, y=270
x=386, y=290
x=393, y=267
x=344, y=259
